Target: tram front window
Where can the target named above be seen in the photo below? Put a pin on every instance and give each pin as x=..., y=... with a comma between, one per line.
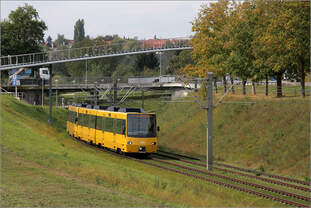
x=142, y=125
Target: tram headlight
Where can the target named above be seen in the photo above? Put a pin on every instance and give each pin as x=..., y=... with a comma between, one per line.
x=153, y=143
x=129, y=142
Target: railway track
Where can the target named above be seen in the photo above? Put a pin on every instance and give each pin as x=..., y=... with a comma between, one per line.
x=306, y=189
x=239, y=181
x=246, y=170
x=204, y=178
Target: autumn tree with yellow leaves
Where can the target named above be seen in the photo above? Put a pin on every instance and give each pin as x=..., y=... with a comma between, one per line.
x=252, y=40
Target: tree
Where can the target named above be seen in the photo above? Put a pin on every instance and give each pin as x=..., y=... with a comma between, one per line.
x=22, y=32
x=131, y=45
x=209, y=51
x=108, y=38
x=178, y=62
x=283, y=43
x=49, y=41
x=242, y=28
x=61, y=41
x=260, y=55
x=298, y=39
x=144, y=61
x=79, y=33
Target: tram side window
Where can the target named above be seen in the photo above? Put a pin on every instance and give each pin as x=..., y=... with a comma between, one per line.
x=73, y=117
x=87, y=118
x=108, y=124
x=80, y=119
x=83, y=119
x=92, y=120
x=119, y=126
x=99, y=123
x=69, y=115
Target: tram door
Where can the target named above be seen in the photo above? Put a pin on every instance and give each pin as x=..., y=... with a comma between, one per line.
x=114, y=132
x=92, y=131
x=75, y=126
x=109, y=136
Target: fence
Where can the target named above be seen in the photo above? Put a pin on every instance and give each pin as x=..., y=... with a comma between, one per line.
x=287, y=89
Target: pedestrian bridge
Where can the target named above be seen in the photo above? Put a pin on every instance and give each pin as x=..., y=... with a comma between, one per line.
x=102, y=84
x=85, y=53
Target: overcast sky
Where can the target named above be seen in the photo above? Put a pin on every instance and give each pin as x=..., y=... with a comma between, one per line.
x=165, y=19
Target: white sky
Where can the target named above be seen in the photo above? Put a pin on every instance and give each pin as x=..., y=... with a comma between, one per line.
x=165, y=19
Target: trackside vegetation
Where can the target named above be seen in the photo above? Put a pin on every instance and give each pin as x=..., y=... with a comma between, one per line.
x=42, y=166
x=263, y=133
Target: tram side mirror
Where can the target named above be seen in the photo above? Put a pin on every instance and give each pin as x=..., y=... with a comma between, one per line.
x=158, y=128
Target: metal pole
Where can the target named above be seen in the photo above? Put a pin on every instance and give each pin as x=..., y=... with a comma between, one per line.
x=56, y=103
x=209, y=154
x=15, y=91
x=142, y=98
x=115, y=83
x=160, y=65
x=86, y=72
x=42, y=94
x=94, y=98
x=50, y=94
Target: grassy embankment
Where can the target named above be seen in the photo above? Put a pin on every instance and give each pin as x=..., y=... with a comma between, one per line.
x=270, y=134
x=264, y=133
x=42, y=166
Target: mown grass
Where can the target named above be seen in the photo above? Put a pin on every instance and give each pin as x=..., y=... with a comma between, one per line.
x=42, y=166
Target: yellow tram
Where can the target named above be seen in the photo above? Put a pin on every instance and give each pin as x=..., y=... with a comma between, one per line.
x=127, y=130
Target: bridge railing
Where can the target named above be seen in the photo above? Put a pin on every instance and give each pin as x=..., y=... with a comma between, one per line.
x=69, y=82
x=86, y=52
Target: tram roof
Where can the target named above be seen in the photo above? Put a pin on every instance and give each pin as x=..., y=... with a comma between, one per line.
x=109, y=108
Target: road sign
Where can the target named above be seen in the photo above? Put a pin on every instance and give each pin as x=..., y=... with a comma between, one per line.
x=14, y=81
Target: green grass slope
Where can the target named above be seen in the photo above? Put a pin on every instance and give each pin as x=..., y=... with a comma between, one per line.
x=42, y=166
x=270, y=134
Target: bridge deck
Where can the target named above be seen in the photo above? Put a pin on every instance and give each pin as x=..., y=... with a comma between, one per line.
x=77, y=54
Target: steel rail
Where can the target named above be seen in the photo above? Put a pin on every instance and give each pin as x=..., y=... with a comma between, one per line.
x=266, y=188
x=265, y=174
x=248, y=170
x=245, y=175
x=275, y=198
